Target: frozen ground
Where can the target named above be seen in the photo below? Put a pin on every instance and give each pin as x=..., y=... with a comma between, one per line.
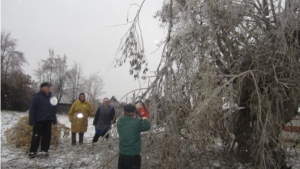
x=103, y=154
x=87, y=155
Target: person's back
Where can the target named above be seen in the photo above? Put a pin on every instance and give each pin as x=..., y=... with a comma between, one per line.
x=129, y=129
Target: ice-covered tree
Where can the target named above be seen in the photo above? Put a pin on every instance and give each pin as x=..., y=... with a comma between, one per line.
x=54, y=69
x=93, y=88
x=15, y=85
x=75, y=82
x=11, y=59
x=243, y=56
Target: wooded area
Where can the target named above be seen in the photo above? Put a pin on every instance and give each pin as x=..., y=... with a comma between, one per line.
x=17, y=88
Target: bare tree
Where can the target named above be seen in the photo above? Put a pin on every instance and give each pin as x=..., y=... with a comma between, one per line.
x=11, y=60
x=75, y=81
x=60, y=71
x=54, y=69
x=16, y=88
x=44, y=72
x=94, y=88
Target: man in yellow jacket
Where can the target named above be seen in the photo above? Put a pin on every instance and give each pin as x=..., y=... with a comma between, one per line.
x=78, y=116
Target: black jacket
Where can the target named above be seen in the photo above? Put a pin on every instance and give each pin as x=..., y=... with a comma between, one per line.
x=104, y=117
x=41, y=109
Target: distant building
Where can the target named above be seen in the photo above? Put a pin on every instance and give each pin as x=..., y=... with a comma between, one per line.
x=63, y=108
x=117, y=105
x=114, y=102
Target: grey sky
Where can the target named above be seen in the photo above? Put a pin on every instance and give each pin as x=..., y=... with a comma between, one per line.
x=85, y=31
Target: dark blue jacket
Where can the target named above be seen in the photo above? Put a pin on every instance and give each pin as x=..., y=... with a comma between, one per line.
x=104, y=117
x=41, y=109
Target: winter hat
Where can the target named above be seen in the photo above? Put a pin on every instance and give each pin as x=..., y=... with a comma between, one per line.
x=129, y=108
x=45, y=84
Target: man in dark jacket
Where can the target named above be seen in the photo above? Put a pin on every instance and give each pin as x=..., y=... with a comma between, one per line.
x=104, y=118
x=41, y=116
x=129, y=129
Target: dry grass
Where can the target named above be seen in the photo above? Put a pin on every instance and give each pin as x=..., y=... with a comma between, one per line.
x=20, y=134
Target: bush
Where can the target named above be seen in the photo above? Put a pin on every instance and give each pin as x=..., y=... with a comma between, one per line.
x=20, y=134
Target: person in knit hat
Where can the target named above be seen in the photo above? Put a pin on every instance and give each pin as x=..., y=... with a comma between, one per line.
x=42, y=115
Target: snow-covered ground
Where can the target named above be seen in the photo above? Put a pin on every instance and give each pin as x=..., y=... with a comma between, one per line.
x=103, y=154
x=87, y=155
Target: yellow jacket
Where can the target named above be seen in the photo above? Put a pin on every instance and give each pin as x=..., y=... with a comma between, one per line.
x=79, y=122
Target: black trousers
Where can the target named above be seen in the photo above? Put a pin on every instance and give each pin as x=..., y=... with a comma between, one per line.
x=100, y=133
x=129, y=162
x=41, y=131
x=74, y=138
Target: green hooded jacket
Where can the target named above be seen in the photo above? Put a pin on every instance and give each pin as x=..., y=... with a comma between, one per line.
x=129, y=130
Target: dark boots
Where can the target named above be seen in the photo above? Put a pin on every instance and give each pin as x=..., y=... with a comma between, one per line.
x=96, y=138
x=80, y=138
x=74, y=138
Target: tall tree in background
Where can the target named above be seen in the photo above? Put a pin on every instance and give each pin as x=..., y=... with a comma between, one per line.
x=68, y=83
x=75, y=82
x=61, y=75
x=94, y=88
x=16, y=89
x=11, y=59
x=54, y=70
x=243, y=56
x=45, y=67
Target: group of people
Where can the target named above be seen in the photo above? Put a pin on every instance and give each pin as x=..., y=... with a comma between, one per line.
x=78, y=116
x=135, y=119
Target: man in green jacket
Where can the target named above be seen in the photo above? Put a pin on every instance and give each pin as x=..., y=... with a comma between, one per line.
x=129, y=129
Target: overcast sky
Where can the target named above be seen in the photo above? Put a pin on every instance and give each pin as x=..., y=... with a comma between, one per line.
x=85, y=31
